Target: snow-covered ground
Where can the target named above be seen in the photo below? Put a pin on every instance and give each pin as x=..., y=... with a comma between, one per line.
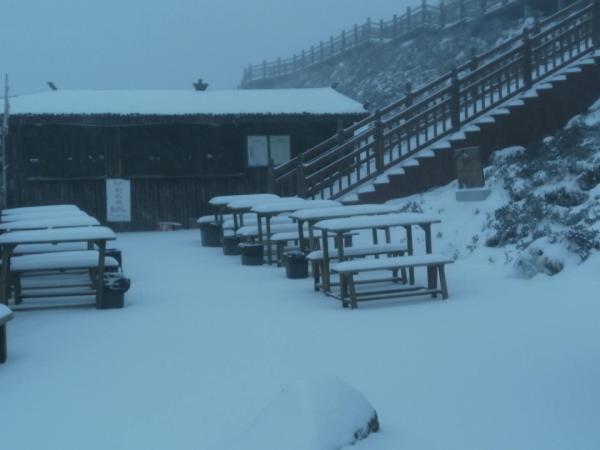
x=204, y=344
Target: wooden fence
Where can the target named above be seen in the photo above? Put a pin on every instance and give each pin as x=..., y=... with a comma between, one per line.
x=426, y=16
x=396, y=133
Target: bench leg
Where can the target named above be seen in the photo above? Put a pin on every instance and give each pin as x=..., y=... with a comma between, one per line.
x=352, y=288
x=3, y=351
x=432, y=275
x=279, y=253
x=343, y=289
x=442, y=273
x=18, y=298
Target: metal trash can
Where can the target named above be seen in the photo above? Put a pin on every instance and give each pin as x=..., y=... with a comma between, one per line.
x=231, y=245
x=114, y=253
x=252, y=254
x=296, y=265
x=210, y=233
x=114, y=287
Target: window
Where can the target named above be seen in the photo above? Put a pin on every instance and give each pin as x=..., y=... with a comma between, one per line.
x=261, y=149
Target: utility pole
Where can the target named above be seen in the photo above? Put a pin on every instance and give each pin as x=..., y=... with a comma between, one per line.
x=4, y=129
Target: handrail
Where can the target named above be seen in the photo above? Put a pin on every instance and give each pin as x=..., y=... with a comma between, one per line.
x=426, y=16
x=395, y=133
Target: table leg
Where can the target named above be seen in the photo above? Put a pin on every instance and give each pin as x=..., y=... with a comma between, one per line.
x=268, y=240
x=375, y=239
x=325, y=274
x=5, y=288
x=100, y=275
x=301, y=235
x=410, y=249
x=428, y=244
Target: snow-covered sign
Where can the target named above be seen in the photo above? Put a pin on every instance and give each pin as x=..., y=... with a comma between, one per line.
x=258, y=151
x=118, y=200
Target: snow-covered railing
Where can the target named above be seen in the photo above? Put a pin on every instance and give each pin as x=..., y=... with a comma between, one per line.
x=426, y=16
x=395, y=133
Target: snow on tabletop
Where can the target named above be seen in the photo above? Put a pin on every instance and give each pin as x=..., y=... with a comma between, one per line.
x=384, y=220
x=57, y=235
x=223, y=200
x=280, y=207
x=323, y=413
x=238, y=205
x=50, y=223
x=49, y=248
x=390, y=263
x=38, y=209
x=343, y=211
x=315, y=101
x=5, y=313
x=360, y=250
x=252, y=230
x=42, y=216
x=71, y=260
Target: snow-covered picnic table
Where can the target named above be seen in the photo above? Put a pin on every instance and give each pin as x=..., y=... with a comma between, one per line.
x=267, y=211
x=60, y=222
x=241, y=209
x=220, y=203
x=312, y=216
x=39, y=209
x=94, y=236
x=384, y=222
x=48, y=215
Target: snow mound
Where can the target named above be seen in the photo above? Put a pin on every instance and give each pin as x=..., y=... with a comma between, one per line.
x=320, y=414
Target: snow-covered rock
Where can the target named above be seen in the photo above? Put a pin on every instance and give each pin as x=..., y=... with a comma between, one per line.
x=320, y=414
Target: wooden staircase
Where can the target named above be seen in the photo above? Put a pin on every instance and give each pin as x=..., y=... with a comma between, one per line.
x=516, y=93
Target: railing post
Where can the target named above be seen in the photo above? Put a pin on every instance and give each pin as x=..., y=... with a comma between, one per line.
x=527, y=57
x=455, y=100
x=423, y=12
x=271, y=176
x=596, y=23
x=300, y=183
x=442, y=13
x=408, y=18
x=378, y=141
x=408, y=94
x=474, y=63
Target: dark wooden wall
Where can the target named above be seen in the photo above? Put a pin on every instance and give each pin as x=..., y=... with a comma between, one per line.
x=174, y=168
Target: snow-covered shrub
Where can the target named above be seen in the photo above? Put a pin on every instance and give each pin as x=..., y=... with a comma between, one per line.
x=544, y=255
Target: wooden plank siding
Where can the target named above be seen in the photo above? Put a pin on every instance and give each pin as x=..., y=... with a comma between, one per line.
x=174, y=166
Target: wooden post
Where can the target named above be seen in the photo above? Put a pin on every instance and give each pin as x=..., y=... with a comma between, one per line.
x=408, y=95
x=378, y=141
x=455, y=101
x=300, y=182
x=3, y=350
x=527, y=63
x=442, y=13
x=596, y=23
x=408, y=18
x=474, y=63
x=271, y=177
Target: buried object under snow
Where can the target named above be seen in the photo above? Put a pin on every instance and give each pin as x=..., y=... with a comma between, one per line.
x=320, y=414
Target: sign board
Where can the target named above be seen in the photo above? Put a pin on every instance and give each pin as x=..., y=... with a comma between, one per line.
x=258, y=151
x=280, y=149
x=118, y=200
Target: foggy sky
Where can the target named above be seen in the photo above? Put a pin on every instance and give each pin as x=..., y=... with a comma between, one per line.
x=163, y=44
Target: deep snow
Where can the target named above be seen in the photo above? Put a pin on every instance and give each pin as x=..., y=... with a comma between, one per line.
x=204, y=344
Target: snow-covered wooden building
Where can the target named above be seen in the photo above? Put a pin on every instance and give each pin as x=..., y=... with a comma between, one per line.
x=140, y=157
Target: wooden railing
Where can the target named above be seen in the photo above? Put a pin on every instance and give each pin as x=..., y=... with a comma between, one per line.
x=394, y=134
x=426, y=16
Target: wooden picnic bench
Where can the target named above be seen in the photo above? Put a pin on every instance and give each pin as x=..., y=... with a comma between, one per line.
x=59, y=222
x=219, y=204
x=269, y=210
x=38, y=209
x=95, y=238
x=350, y=296
x=375, y=223
x=5, y=315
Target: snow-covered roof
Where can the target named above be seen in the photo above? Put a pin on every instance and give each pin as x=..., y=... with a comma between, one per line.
x=314, y=101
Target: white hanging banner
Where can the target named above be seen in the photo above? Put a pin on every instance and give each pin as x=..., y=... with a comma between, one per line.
x=118, y=200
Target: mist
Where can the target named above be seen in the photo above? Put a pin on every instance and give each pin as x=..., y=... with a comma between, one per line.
x=150, y=44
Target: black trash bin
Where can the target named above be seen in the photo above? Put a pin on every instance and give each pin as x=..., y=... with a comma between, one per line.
x=113, y=293
x=252, y=254
x=210, y=233
x=114, y=253
x=231, y=245
x=296, y=265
